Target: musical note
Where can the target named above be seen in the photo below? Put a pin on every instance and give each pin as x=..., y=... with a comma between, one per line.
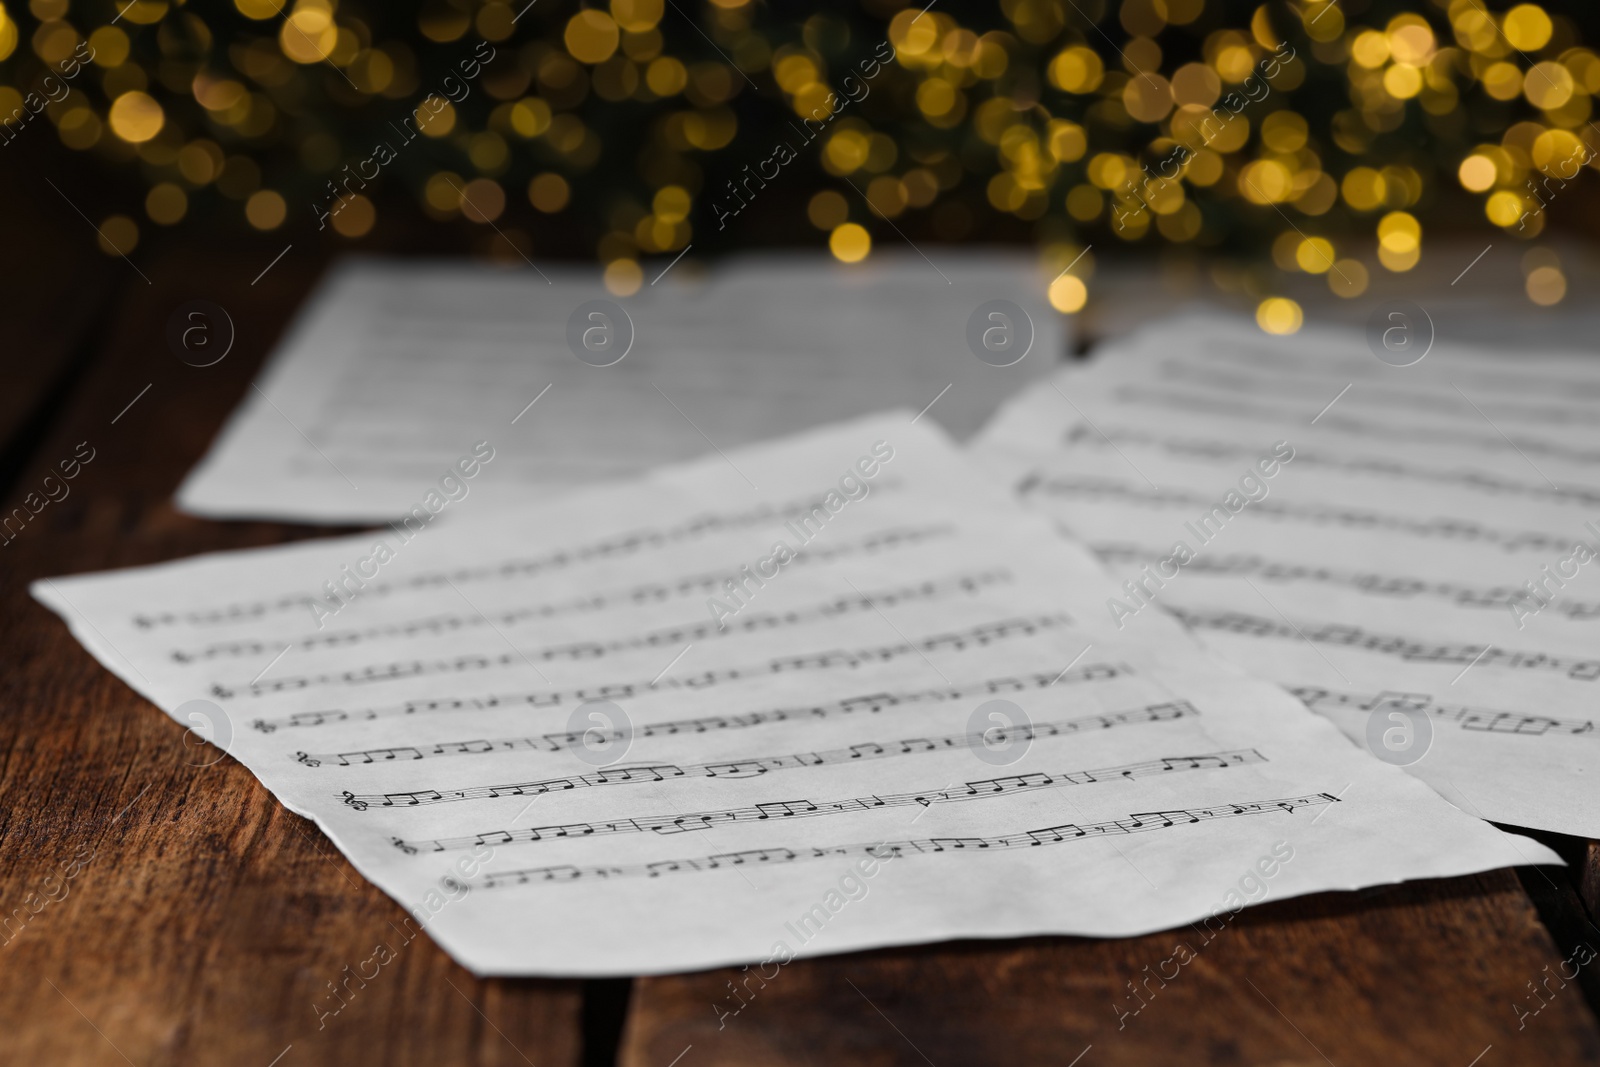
x=1218, y=449
x=560, y=741
x=389, y=800
x=801, y=809
x=981, y=635
x=1495, y=598
x=1409, y=401
x=1098, y=489
x=704, y=630
x=756, y=855
x=536, y=567
x=747, y=768
x=1054, y=835
x=1090, y=672
x=1483, y=720
x=1392, y=644
x=786, y=808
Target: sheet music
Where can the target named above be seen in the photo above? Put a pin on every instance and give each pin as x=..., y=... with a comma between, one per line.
x=395, y=367
x=1381, y=574
x=683, y=721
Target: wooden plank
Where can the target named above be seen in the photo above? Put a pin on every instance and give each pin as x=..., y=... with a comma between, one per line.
x=196, y=920
x=1556, y=895
x=1428, y=972
x=1589, y=878
x=53, y=287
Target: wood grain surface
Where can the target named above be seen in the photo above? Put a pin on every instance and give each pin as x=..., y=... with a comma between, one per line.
x=1589, y=877
x=157, y=906
x=53, y=291
x=1425, y=973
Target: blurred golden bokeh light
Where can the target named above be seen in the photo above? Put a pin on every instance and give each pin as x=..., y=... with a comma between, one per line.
x=1279, y=315
x=1317, y=139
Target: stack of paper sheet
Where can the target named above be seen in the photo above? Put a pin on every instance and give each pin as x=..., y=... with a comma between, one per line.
x=1408, y=549
x=830, y=693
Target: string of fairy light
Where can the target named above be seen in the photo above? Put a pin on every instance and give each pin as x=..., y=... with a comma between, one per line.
x=1304, y=138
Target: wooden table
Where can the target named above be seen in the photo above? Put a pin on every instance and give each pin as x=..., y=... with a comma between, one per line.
x=201, y=920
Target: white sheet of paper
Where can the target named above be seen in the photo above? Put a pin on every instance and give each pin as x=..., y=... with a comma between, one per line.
x=1378, y=572
x=436, y=725
x=395, y=368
